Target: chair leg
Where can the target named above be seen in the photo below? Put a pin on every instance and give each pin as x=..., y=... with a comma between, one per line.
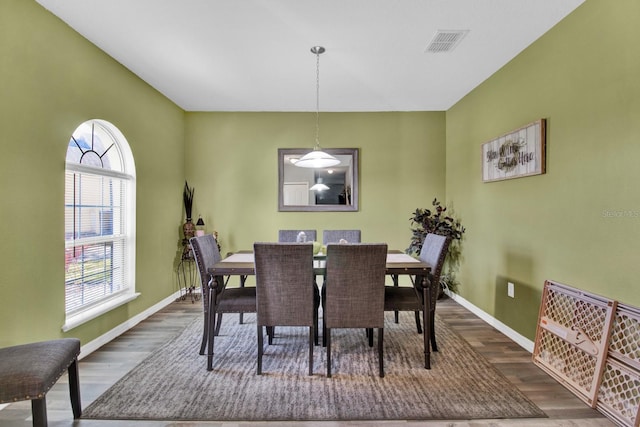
x=434, y=346
x=316, y=297
x=39, y=412
x=205, y=334
x=327, y=337
x=74, y=389
x=426, y=309
x=381, y=351
x=316, y=337
x=211, y=331
x=418, y=322
x=260, y=349
x=324, y=328
x=312, y=343
x=243, y=279
x=396, y=284
x=370, y=336
x=324, y=333
x=217, y=324
x=271, y=330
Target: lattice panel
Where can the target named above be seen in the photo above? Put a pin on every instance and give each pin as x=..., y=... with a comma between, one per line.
x=567, y=362
x=571, y=340
x=625, y=336
x=576, y=314
x=592, y=346
x=619, y=394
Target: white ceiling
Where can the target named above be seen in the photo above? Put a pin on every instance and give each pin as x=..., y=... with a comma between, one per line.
x=254, y=55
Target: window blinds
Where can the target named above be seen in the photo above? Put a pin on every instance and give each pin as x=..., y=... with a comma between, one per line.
x=95, y=238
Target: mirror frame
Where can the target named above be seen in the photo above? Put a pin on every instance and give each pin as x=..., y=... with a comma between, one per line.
x=353, y=207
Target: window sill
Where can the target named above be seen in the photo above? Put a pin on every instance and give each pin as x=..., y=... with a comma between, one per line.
x=85, y=316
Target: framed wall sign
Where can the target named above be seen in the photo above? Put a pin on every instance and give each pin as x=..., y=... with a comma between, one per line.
x=516, y=154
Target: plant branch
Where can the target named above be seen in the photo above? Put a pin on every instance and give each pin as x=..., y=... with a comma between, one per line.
x=187, y=197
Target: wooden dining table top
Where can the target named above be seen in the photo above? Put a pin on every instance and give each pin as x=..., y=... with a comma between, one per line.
x=242, y=263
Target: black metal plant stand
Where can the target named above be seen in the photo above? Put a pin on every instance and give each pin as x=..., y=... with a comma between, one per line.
x=187, y=272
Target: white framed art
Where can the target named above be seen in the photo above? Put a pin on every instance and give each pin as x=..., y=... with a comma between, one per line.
x=516, y=154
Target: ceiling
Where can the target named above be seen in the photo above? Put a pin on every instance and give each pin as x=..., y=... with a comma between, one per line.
x=254, y=55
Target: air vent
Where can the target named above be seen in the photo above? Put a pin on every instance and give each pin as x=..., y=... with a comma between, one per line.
x=445, y=40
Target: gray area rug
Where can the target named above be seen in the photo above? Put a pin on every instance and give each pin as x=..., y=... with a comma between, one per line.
x=173, y=383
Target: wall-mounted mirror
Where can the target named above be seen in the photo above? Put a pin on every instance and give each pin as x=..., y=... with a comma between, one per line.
x=295, y=192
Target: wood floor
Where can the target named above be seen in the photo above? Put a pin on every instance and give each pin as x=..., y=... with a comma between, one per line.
x=102, y=368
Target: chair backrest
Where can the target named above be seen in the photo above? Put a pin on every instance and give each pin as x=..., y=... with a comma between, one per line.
x=284, y=284
x=292, y=235
x=334, y=236
x=206, y=253
x=355, y=276
x=433, y=252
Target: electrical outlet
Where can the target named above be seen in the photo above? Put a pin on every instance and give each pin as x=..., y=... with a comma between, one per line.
x=511, y=290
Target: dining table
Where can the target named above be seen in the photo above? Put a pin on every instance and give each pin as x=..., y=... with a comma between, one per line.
x=242, y=264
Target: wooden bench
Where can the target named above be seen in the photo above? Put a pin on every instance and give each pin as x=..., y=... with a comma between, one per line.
x=28, y=371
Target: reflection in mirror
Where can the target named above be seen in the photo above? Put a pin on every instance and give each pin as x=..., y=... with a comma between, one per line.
x=324, y=189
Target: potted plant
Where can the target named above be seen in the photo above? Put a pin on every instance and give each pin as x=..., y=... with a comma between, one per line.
x=187, y=197
x=438, y=221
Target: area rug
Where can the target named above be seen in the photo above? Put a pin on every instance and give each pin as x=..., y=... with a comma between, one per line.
x=173, y=383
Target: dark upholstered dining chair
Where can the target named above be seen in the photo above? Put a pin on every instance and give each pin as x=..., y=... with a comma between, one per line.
x=334, y=236
x=353, y=294
x=284, y=290
x=292, y=235
x=224, y=299
x=405, y=298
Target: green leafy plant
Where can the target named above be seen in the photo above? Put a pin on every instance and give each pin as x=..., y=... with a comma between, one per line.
x=442, y=221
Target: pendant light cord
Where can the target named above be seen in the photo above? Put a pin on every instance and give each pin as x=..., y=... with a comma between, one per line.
x=317, y=147
x=317, y=158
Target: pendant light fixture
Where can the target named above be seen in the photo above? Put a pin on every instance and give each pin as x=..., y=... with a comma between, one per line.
x=317, y=158
x=319, y=186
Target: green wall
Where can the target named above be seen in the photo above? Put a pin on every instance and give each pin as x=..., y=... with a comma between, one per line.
x=231, y=161
x=579, y=223
x=51, y=80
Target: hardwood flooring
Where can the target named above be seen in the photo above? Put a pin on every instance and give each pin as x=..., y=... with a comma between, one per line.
x=99, y=370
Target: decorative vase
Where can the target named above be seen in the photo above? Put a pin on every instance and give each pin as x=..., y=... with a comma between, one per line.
x=188, y=229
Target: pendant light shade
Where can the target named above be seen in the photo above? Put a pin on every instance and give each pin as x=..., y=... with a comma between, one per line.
x=318, y=187
x=317, y=158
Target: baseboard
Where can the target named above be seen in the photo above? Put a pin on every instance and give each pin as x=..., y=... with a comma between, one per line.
x=521, y=340
x=92, y=346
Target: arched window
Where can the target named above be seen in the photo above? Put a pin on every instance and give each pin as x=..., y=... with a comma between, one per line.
x=99, y=214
